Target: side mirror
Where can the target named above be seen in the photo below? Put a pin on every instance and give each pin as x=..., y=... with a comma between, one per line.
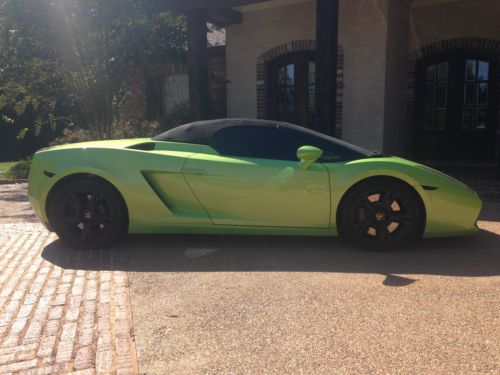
x=308, y=155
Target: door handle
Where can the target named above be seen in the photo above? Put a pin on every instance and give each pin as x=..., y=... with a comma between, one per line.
x=198, y=171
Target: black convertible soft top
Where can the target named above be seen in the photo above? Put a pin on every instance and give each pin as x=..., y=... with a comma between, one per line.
x=201, y=132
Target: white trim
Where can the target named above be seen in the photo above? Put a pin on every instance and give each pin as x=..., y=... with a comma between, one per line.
x=267, y=5
x=428, y=3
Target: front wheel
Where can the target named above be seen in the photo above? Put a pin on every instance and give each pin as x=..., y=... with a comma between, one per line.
x=87, y=213
x=381, y=214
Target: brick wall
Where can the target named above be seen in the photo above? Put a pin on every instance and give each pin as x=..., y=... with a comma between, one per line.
x=133, y=106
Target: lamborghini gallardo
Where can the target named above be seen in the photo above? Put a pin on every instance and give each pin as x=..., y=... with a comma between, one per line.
x=243, y=176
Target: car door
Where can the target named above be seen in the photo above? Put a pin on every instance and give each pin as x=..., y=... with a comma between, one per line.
x=256, y=182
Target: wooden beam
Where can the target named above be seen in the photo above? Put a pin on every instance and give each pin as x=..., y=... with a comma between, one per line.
x=327, y=25
x=198, y=64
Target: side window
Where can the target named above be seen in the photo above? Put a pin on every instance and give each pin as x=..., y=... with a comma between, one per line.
x=277, y=144
x=243, y=141
x=253, y=142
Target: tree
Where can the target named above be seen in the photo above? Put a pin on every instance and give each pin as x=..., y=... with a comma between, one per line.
x=30, y=81
x=33, y=100
x=75, y=56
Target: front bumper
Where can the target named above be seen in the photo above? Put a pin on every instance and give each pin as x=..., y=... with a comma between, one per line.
x=452, y=212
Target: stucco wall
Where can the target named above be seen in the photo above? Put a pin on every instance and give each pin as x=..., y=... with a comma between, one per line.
x=467, y=18
x=362, y=33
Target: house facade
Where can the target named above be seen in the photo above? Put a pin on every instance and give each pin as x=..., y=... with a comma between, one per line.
x=418, y=78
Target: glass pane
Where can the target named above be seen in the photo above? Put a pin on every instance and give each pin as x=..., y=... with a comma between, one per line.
x=430, y=92
x=482, y=117
x=290, y=74
x=470, y=70
x=429, y=118
x=286, y=75
x=253, y=142
x=483, y=70
x=430, y=73
x=468, y=117
x=443, y=71
x=470, y=97
x=312, y=72
x=441, y=118
x=482, y=93
x=281, y=76
x=286, y=103
x=312, y=98
x=442, y=94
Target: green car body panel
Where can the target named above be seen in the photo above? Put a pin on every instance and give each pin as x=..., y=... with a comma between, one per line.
x=187, y=188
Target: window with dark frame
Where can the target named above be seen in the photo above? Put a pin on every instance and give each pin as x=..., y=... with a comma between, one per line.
x=476, y=91
x=292, y=89
x=285, y=93
x=436, y=95
x=457, y=106
x=474, y=114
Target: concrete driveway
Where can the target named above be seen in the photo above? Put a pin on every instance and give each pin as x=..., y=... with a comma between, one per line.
x=274, y=305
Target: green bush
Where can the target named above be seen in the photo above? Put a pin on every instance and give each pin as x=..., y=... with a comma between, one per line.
x=135, y=129
x=19, y=171
x=72, y=134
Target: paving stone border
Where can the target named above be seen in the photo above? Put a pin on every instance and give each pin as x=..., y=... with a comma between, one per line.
x=12, y=182
x=58, y=320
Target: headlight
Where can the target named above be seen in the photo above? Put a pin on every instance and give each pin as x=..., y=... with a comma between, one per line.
x=444, y=175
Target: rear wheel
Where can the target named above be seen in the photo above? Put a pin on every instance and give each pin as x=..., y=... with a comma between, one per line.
x=87, y=213
x=381, y=214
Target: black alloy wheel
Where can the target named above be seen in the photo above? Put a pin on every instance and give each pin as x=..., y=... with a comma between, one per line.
x=381, y=214
x=87, y=213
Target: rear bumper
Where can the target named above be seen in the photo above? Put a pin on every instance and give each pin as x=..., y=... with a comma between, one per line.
x=39, y=185
x=36, y=208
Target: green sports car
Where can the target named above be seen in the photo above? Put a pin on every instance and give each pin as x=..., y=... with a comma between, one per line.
x=241, y=176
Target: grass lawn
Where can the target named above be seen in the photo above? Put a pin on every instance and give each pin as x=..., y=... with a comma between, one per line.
x=4, y=166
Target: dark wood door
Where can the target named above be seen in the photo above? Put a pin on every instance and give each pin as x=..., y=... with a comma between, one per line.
x=456, y=116
x=292, y=89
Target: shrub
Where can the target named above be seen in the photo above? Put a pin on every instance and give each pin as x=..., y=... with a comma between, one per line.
x=73, y=135
x=135, y=129
x=19, y=171
x=131, y=128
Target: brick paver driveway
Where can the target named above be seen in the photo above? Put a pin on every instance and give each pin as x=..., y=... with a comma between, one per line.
x=55, y=320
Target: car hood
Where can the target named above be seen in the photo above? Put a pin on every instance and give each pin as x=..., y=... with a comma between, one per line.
x=411, y=172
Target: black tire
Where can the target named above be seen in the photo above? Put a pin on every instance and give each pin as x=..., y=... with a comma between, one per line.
x=87, y=213
x=381, y=214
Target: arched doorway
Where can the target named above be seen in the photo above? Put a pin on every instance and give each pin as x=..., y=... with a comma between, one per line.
x=286, y=84
x=457, y=106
